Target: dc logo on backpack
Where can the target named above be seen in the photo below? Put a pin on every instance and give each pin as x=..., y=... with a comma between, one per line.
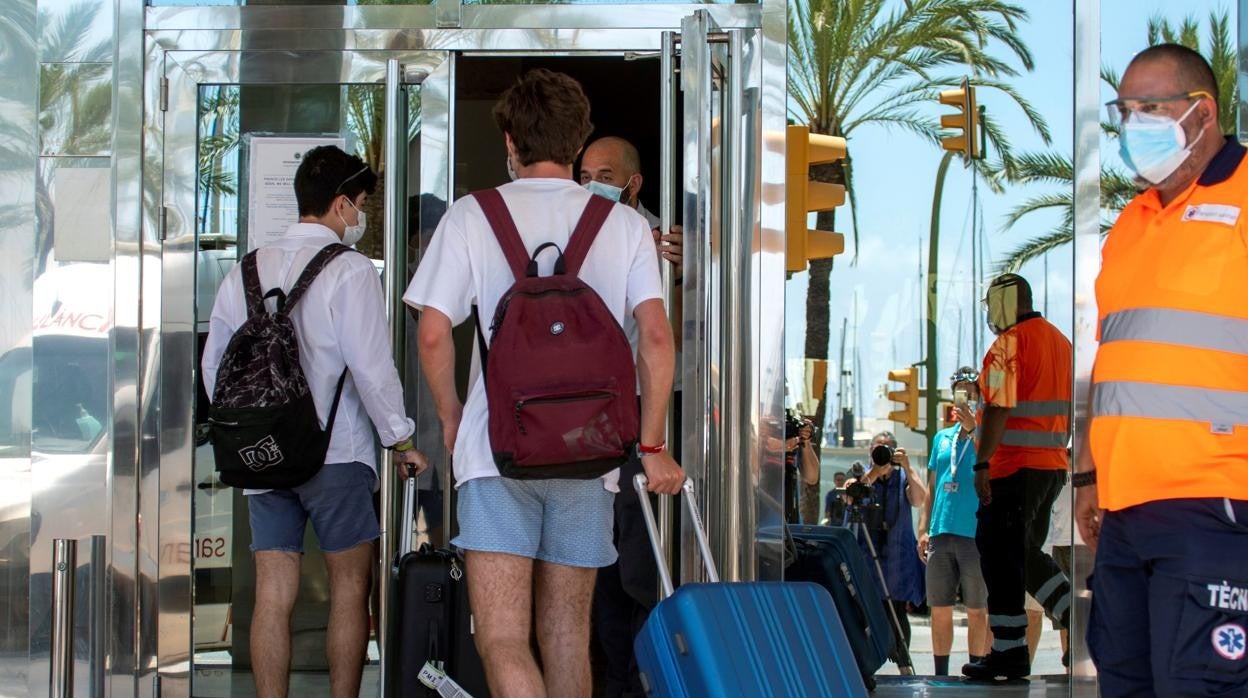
x=559, y=372
x=263, y=455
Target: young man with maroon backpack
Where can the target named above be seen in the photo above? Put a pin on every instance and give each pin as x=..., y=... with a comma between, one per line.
x=544, y=425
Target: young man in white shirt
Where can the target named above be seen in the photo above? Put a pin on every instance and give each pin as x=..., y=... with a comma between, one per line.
x=533, y=546
x=341, y=325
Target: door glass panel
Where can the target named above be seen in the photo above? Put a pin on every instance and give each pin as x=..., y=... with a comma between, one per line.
x=230, y=119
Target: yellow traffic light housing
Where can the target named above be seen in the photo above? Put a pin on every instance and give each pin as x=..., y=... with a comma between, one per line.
x=802, y=196
x=908, y=396
x=963, y=99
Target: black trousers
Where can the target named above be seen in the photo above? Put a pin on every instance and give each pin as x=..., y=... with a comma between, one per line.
x=1010, y=537
x=626, y=591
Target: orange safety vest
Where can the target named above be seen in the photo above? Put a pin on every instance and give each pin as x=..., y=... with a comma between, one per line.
x=1170, y=384
x=1028, y=370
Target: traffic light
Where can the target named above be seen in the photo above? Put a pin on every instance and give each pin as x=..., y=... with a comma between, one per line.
x=963, y=99
x=802, y=196
x=908, y=396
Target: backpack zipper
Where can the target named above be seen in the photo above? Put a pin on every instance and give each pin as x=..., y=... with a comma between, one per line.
x=577, y=397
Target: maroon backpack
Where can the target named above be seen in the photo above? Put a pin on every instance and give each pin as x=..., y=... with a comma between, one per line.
x=559, y=374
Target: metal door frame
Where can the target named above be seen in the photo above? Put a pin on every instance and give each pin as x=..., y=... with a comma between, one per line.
x=173, y=78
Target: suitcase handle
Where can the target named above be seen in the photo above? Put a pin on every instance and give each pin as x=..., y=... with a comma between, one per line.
x=409, y=511
x=639, y=484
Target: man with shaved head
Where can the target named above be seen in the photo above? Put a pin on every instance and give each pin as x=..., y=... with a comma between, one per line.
x=627, y=590
x=1162, y=479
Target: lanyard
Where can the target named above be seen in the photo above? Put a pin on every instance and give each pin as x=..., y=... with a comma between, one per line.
x=957, y=452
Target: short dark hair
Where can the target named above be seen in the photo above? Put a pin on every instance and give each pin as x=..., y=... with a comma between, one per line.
x=1193, y=70
x=547, y=116
x=888, y=436
x=324, y=173
x=1024, y=288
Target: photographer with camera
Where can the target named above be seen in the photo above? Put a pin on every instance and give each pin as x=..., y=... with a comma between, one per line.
x=947, y=529
x=882, y=499
x=801, y=470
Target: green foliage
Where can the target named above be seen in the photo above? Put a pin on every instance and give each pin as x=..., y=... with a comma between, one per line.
x=859, y=62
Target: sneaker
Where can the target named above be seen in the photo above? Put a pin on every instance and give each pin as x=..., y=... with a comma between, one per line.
x=999, y=666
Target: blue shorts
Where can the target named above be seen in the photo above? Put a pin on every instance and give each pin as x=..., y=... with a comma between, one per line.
x=338, y=500
x=565, y=522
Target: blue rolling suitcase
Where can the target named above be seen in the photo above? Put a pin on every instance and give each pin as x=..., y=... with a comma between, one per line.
x=830, y=557
x=764, y=639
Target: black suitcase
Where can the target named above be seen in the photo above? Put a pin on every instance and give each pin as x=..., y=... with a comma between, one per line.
x=431, y=617
x=830, y=556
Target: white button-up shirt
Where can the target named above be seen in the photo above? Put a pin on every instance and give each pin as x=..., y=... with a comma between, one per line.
x=340, y=323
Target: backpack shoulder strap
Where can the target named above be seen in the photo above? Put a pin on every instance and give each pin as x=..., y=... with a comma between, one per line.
x=504, y=227
x=310, y=272
x=252, y=290
x=592, y=218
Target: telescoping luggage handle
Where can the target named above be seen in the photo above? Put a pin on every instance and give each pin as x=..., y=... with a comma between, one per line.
x=639, y=484
x=409, y=510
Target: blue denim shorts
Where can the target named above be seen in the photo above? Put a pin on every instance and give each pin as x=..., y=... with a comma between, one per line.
x=338, y=500
x=565, y=522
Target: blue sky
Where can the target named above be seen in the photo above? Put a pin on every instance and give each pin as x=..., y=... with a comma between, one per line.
x=894, y=175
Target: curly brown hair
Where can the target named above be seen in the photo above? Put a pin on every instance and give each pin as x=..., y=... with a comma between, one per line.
x=547, y=116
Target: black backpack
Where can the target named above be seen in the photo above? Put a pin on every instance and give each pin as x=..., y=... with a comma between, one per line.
x=265, y=432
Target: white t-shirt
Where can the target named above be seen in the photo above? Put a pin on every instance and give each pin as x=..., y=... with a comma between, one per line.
x=465, y=266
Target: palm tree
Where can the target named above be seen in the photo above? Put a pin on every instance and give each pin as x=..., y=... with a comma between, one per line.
x=858, y=62
x=1117, y=187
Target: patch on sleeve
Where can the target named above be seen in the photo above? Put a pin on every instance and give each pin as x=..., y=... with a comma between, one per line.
x=1212, y=213
x=996, y=378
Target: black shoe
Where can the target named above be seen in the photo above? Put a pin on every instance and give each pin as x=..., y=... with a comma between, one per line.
x=999, y=666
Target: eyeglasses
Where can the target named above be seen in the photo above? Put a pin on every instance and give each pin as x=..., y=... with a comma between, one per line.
x=348, y=179
x=1117, y=110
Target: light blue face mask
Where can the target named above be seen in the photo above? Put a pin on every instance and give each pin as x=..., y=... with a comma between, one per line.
x=604, y=190
x=1154, y=146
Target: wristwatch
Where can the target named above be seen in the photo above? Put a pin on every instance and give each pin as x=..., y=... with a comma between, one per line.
x=1083, y=479
x=982, y=465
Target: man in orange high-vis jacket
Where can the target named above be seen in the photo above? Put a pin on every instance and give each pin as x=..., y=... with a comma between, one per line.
x=1022, y=465
x=1162, y=479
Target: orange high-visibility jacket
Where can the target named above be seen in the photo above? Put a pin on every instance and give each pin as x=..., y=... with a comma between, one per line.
x=1170, y=384
x=1028, y=370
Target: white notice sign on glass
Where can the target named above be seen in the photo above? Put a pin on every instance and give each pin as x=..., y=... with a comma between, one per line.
x=271, y=207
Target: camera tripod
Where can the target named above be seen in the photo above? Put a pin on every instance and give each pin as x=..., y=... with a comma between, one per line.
x=858, y=527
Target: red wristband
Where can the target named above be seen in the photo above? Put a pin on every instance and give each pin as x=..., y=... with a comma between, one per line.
x=643, y=448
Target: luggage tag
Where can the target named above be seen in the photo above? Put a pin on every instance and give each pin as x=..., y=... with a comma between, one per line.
x=434, y=678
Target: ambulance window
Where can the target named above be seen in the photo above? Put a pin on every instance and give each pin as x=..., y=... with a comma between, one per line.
x=15, y=394
x=70, y=391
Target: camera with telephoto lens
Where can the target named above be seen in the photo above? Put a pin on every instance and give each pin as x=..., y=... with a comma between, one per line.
x=882, y=454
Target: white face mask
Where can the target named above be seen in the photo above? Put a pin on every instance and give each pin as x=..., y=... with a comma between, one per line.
x=511, y=171
x=352, y=234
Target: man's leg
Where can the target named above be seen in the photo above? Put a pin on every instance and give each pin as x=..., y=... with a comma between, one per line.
x=1045, y=580
x=500, y=589
x=942, y=586
x=974, y=596
x=1118, y=627
x=339, y=502
x=942, y=637
x=346, y=641
x=277, y=586
x=561, y=602
x=978, y=639
x=999, y=537
x=1035, y=628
